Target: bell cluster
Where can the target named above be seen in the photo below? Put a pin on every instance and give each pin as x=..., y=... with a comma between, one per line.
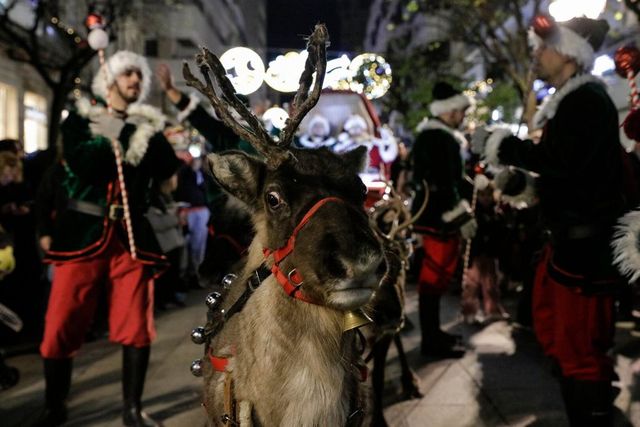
x=215, y=314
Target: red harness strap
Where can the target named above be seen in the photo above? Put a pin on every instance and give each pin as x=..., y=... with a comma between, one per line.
x=291, y=282
x=219, y=364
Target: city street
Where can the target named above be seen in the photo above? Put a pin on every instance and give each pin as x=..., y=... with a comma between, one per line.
x=503, y=381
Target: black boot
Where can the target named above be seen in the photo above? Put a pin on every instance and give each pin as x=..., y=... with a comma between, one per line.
x=57, y=376
x=588, y=403
x=435, y=342
x=134, y=369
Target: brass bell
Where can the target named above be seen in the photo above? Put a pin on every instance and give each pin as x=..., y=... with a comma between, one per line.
x=354, y=319
x=196, y=368
x=198, y=335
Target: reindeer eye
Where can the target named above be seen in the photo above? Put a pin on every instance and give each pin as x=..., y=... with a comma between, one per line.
x=274, y=200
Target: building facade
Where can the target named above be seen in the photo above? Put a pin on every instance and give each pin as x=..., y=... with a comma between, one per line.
x=169, y=31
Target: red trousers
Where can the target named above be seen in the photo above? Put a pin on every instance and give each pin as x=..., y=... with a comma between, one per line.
x=574, y=329
x=74, y=294
x=439, y=264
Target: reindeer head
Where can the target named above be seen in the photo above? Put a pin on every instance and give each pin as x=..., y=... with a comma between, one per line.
x=307, y=205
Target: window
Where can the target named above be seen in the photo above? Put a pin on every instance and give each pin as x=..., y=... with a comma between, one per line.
x=35, y=122
x=8, y=112
x=151, y=48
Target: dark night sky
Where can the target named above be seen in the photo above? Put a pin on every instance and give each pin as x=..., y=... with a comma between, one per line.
x=289, y=20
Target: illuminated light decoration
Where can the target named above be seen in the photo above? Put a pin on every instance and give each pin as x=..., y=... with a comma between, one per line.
x=244, y=68
x=603, y=64
x=338, y=73
x=283, y=73
x=195, y=151
x=564, y=10
x=370, y=75
x=277, y=116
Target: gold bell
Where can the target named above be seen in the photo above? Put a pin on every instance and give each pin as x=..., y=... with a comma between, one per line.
x=354, y=319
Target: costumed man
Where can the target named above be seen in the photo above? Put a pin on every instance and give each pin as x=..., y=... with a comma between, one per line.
x=382, y=151
x=436, y=159
x=90, y=242
x=210, y=127
x=318, y=134
x=580, y=189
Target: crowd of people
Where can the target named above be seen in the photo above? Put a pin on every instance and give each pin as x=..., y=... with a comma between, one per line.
x=120, y=220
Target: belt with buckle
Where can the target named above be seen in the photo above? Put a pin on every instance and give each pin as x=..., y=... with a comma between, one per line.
x=114, y=211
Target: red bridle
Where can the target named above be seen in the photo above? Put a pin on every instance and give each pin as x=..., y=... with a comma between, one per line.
x=292, y=281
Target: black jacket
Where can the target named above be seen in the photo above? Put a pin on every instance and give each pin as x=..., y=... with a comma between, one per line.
x=436, y=158
x=579, y=159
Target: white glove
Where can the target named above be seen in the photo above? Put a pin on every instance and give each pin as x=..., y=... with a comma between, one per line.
x=107, y=126
x=479, y=140
x=468, y=229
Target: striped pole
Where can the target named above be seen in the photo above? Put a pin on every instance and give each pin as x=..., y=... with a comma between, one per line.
x=467, y=249
x=115, y=145
x=634, y=89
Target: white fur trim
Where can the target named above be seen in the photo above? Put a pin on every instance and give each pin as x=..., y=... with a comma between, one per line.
x=525, y=199
x=457, y=102
x=548, y=109
x=387, y=146
x=461, y=208
x=118, y=63
x=194, y=101
x=307, y=141
x=422, y=125
x=492, y=148
x=148, y=120
x=429, y=124
x=355, y=121
x=626, y=251
x=568, y=43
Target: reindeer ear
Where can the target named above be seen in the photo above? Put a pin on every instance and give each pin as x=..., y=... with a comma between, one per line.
x=357, y=160
x=238, y=174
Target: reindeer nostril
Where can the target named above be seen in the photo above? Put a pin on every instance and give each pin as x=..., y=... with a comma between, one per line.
x=335, y=267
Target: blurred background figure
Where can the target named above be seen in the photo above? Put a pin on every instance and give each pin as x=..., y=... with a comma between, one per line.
x=192, y=190
x=480, y=280
x=318, y=134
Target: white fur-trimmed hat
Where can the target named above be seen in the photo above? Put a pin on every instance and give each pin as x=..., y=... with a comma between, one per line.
x=117, y=64
x=578, y=38
x=322, y=121
x=446, y=99
x=353, y=121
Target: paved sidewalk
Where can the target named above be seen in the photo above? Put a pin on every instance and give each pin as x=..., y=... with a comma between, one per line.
x=502, y=381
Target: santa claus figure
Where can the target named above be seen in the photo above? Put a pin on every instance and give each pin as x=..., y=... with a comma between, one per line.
x=382, y=151
x=318, y=134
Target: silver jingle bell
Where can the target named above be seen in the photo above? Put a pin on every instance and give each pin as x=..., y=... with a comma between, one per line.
x=198, y=335
x=196, y=368
x=228, y=280
x=213, y=300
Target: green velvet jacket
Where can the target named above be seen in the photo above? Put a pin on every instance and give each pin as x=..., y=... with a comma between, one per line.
x=436, y=159
x=88, y=174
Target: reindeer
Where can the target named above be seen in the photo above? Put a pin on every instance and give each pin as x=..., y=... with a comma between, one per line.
x=391, y=219
x=279, y=352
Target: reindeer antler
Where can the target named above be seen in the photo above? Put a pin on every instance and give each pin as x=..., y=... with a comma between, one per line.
x=397, y=205
x=250, y=127
x=303, y=101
